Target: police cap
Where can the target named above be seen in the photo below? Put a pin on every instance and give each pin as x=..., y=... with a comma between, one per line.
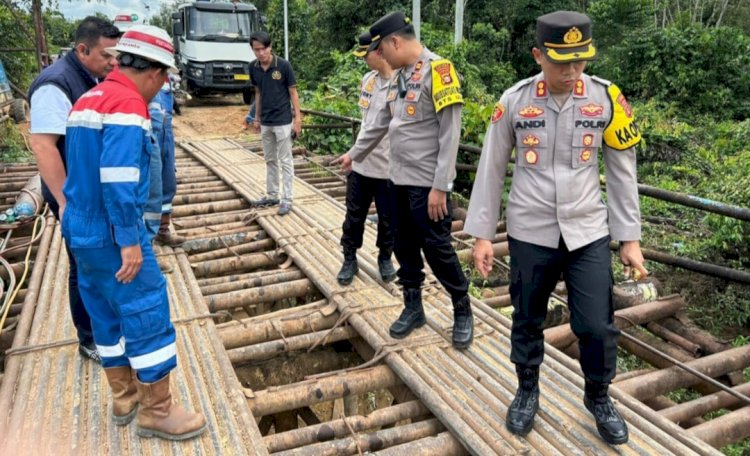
x=364, y=42
x=565, y=36
x=390, y=23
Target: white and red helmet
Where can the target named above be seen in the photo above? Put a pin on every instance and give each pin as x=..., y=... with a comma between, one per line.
x=149, y=42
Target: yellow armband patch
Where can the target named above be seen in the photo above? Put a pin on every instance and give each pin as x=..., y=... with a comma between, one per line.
x=446, y=88
x=622, y=132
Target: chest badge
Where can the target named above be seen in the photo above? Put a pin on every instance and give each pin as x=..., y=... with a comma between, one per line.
x=391, y=96
x=498, y=112
x=276, y=75
x=531, y=140
x=364, y=103
x=411, y=95
x=585, y=155
x=588, y=140
x=591, y=110
x=370, y=85
x=416, y=77
x=411, y=110
x=531, y=111
x=531, y=157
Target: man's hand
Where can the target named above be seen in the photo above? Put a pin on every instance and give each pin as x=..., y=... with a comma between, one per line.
x=245, y=125
x=483, y=256
x=131, y=263
x=346, y=163
x=256, y=125
x=297, y=126
x=632, y=257
x=437, y=206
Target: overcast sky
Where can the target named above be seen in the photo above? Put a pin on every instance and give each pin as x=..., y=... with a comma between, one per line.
x=76, y=9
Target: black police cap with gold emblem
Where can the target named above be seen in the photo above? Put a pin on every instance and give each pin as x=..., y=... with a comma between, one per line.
x=565, y=36
x=390, y=23
x=365, y=40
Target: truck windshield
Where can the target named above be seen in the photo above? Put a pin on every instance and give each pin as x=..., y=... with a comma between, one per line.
x=223, y=26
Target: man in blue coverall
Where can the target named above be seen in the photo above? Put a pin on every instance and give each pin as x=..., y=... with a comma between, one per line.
x=108, y=151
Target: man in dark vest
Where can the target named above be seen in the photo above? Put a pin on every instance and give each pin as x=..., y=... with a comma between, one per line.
x=51, y=96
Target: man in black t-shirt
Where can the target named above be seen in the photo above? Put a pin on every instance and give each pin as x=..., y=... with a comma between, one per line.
x=275, y=89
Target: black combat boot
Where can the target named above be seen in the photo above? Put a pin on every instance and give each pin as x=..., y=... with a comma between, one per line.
x=349, y=268
x=463, y=323
x=522, y=410
x=385, y=265
x=609, y=423
x=413, y=315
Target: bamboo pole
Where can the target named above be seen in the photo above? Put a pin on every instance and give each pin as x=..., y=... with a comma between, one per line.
x=666, y=380
x=374, y=441
x=562, y=336
x=255, y=296
x=309, y=392
x=340, y=428
x=267, y=350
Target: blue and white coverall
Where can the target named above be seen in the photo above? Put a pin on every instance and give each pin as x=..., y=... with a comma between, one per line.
x=108, y=150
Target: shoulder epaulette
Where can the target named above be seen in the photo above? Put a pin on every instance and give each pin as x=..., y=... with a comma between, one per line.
x=601, y=81
x=520, y=84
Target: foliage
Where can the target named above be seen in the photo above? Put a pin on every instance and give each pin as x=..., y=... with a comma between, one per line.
x=20, y=66
x=12, y=146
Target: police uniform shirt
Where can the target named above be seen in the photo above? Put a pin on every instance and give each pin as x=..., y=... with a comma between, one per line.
x=373, y=92
x=424, y=126
x=274, y=84
x=556, y=185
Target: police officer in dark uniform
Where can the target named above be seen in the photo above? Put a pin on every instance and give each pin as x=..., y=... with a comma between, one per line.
x=422, y=117
x=557, y=121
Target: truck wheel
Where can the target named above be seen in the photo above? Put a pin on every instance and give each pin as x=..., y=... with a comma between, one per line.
x=248, y=96
x=19, y=110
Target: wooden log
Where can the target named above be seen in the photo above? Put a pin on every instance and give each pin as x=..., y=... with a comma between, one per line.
x=443, y=444
x=234, y=264
x=666, y=380
x=374, y=441
x=726, y=429
x=267, y=350
x=706, y=404
x=253, y=296
x=498, y=301
x=309, y=392
x=562, y=336
x=280, y=277
x=338, y=428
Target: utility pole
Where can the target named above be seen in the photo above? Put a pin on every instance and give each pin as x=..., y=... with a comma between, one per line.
x=458, y=34
x=286, y=30
x=416, y=13
x=40, y=41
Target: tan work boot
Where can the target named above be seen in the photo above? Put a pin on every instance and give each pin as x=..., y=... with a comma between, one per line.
x=166, y=234
x=159, y=417
x=124, y=394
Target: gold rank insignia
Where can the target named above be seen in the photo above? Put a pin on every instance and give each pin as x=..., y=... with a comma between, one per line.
x=498, y=112
x=591, y=110
x=418, y=66
x=580, y=88
x=573, y=36
x=411, y=110
x=586, y=155
x=588, y=139
x=364, y=103
x=531, y=111
x=541, y=89
x=530, y=140
x=531, y=157
x=391, y=95
x=276, y=75
x=370, y=84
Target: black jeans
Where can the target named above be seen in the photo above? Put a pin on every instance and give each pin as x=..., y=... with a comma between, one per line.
x=587, y=272
x=81, y=319
x=415, y=232
x=360, y=191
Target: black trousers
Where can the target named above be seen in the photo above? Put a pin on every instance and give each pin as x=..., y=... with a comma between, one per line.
x=587, y=272
x=81, y=319
x=360, y=191
x=415, y=232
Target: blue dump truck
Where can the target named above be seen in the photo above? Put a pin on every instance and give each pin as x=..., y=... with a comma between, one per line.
x=15, y=108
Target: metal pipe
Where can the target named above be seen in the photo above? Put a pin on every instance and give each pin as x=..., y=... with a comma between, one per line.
x=259, y=282
x=703, y=405
x=267, y=350
x=443, y=444
x=254, y=296
x=251, y=331
x=234, y=264
x=726, y=429
x=309, y=392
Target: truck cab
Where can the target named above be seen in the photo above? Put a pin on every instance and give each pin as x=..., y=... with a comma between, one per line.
x=212, y=46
